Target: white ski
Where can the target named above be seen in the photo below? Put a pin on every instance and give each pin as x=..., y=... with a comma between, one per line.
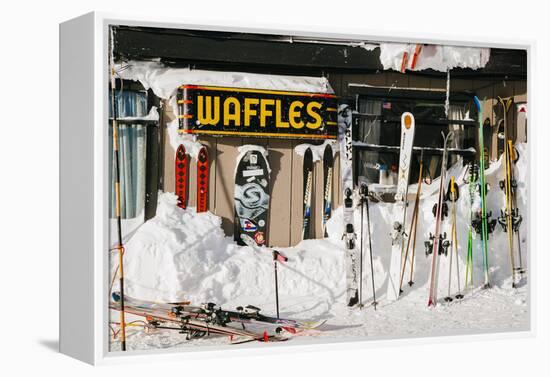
x=346, y=169
x=400, y=208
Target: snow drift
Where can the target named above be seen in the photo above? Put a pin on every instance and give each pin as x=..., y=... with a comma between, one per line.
x=181, y=254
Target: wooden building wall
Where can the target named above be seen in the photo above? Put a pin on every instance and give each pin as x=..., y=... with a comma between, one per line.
x=286, y=207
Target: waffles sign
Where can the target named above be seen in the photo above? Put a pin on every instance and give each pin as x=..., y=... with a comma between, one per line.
x=257, y=113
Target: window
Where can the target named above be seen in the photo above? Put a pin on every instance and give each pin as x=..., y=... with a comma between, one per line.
x=132, y=138
x=378, y=124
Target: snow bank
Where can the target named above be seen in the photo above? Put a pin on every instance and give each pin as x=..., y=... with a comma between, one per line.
x=164, y=80
x=181, y=254
x=436, y=57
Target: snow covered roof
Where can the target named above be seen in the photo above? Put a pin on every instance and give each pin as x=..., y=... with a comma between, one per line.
x=164, y=80
x=437, y=57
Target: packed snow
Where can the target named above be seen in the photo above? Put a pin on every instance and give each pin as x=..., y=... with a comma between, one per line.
x=184, y=255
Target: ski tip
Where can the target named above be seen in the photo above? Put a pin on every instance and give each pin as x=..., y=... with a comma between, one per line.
x=477, y=103
x=407, y=119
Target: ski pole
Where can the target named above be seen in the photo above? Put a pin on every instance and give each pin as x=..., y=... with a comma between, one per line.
x=277, y=257
x=453, y=233
x=276, y=282
x=118, y=217
x=459, y=295
x=414, y=222
x=120, y=246
x=363, y=190
x=374, y=303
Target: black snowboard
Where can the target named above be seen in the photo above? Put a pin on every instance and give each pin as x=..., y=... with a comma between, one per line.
x=251, y=198
x=308, y=186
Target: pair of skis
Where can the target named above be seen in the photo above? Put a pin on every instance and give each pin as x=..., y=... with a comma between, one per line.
x=510, y=219
x=412, y=230
x=345, y=120
x=479, y=220
x=328, y=167
x=398, y=234
x=198, y=321
x=353, y=257
x=182, y=178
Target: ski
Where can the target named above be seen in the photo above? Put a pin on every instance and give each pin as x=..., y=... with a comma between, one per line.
x=452, y=196
x=472, y=184
x=328, y=167
x=202, y=180
x=483, y=218
x=400, y=207
x=510, y=218
x=346, y=171
x=252, y=195
x=437, y=245
x=308, y=186
x=213, y=313
x=181, y=176
x=170, y=319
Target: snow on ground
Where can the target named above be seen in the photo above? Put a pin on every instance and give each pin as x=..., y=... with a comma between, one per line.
x=184, y=255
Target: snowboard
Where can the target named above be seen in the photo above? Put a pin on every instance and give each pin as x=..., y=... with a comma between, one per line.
x=181, y=166
x=400, y=207
x=252, y=196
x=308, y=186
x=438, y=238
x=346, y=157
x=202, y=180
x=328, y=168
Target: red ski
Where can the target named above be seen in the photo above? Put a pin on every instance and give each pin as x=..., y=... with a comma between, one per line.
x=202, y=180
x=181, y=176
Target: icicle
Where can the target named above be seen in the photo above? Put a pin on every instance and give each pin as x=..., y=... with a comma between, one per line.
x=447, y=93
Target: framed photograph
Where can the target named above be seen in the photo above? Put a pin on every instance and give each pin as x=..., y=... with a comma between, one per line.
x=229, y=188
